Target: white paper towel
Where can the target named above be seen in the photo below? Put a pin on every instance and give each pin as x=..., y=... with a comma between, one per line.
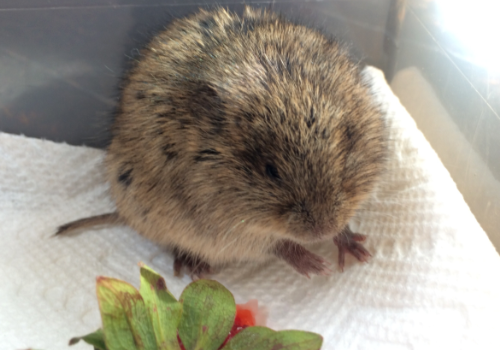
x=433, y=281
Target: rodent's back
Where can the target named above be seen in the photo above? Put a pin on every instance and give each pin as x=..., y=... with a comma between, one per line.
x=251, y=122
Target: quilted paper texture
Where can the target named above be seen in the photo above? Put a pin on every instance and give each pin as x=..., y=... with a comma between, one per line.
x=433, y=281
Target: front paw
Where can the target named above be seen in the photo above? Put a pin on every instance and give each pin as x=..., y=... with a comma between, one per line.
x=302, y=260
x=350, y=242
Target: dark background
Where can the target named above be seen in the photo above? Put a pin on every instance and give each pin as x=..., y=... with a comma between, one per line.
x=61, y=60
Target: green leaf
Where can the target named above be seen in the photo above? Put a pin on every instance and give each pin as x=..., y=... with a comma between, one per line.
x=96, y=339
x=163, y=309
x=262, y=338
x=208, y=315
x=124, y=316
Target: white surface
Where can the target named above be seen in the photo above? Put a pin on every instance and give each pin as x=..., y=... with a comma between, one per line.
x=433, y=281
x=480, y=188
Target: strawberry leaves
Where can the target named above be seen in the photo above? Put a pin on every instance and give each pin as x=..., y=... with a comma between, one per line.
x=263, y=338
x=208, y=315
x=152, y=319
x=164, y=310
x=96, y=339
x=124, y=316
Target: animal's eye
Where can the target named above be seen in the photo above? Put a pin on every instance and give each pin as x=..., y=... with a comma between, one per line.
x=272, y=172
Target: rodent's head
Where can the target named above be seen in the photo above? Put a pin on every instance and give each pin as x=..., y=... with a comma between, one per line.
x=296, y=161
x=275, y=128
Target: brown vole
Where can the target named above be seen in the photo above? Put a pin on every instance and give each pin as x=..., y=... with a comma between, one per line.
x=241, y=138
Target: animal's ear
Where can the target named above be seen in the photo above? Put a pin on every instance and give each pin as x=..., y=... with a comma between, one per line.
x=206, y=105
x=204, y=98
x=206, y=91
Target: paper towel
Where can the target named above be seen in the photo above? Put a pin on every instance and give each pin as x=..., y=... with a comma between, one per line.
x=433, y=281
x=467, y=167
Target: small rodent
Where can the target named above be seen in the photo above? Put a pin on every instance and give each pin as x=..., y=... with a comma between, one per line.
x=240, y=138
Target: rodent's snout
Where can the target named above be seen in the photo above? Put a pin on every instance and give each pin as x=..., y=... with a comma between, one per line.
x=313, y=233
x=306, y=225
x=321, y=232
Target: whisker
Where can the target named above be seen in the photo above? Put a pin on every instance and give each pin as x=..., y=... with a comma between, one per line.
x=227, y=234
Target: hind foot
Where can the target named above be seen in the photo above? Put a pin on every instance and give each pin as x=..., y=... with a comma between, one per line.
x=196, y=267
x=347, y=241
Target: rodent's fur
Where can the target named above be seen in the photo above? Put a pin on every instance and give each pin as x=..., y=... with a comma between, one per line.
x=234, y=135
